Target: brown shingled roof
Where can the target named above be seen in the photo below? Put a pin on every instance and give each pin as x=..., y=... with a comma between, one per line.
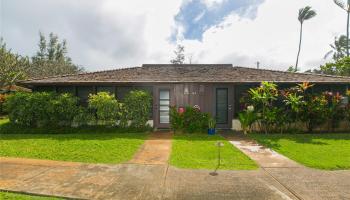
x=188, y=73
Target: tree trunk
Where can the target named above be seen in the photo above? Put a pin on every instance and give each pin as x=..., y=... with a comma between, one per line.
x=347, y=34
x=300, y=39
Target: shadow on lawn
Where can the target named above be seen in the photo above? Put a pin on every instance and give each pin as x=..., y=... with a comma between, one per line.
x=314, y=139
x=13, y=132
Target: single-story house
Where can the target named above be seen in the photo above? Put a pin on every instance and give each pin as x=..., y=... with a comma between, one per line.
x=214, y=88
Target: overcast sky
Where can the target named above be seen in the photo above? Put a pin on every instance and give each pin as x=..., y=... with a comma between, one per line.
x=106, y=34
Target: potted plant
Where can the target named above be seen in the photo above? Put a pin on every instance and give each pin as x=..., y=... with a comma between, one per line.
x=211, y=126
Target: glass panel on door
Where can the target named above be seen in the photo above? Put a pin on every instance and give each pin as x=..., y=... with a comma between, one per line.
x=164, y=106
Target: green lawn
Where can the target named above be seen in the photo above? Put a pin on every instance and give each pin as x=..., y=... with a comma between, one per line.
x=199, y=151
x=90, y=145
x=322, y=151
x=13, y=196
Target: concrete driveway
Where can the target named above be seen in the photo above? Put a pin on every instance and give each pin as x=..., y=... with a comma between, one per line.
x=137, y=181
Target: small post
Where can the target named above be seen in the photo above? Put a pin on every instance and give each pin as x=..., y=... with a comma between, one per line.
x=219, y=145
x=258, y=65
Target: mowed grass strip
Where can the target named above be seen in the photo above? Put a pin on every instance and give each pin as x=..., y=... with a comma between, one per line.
x=199, y=151
x=16, y=196
x=89, y=145
x=321, y=151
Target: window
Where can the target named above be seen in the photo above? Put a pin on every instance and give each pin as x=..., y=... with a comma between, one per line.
x=66, y=89
x=109, y=89
x=83, y=93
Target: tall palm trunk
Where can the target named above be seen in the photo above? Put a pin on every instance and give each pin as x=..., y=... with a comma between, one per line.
x=300, y=39
x=347, y=33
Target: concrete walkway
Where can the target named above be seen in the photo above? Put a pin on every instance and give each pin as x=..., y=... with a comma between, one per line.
x=265, y=157
x=283, y=179
x=301, y=181
x=155, y=151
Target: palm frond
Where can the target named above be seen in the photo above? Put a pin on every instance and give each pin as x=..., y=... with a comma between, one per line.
x=341, y=4
x=306, y=13
x=328, y=54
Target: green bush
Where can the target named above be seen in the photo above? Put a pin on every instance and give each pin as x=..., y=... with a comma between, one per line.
x=137, y=105
x=62, y=109
x=176, y=119
x=84, y=117
x=41, y=108
x=106, y=107
x=190, y=121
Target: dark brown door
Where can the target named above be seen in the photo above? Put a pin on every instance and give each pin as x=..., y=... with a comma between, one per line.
x=223, y=107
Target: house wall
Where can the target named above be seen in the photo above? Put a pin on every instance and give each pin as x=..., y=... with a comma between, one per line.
x=183, y=94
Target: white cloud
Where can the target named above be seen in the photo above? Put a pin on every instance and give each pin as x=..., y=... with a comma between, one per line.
x=213, y=3
x=109, y=34
x=272, y=37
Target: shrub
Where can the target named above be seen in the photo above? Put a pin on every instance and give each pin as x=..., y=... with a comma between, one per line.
x=336, y=111
x=83, y=117
x=191, y=120
x=176, y=119
x=41, y=108
x=106, y=107
x=315, y=111
x=28, y=109
x=263, y=99
x=62, y=109
x=137, y=105
x=247, y=118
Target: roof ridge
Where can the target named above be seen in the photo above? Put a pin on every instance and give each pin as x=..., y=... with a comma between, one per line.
x=82, y=73
x=179, y=65
x=287, y=72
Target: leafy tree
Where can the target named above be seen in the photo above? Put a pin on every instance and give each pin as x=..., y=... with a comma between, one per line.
x=340, y=67
x=346, y=7
x=51, y=59
x=13, y=67
x=180, y=55
x=304, y=14
x=339, y=48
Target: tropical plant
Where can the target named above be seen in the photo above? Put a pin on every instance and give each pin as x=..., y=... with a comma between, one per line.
x=211, y=123
x=336, y=112
x=247, y=119
x=263, y=98
x=339, y=48
x=346, y=8
x=304, y=14
x=106, y=107
x=314, y=112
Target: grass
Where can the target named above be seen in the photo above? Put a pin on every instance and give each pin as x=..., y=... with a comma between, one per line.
x=321, y=151
x=13, y=196
x=199, y=151
x=90, y=145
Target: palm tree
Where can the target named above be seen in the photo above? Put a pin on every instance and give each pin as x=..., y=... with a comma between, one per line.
x=346, y=7
x=339, y=48
x=304, y=14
